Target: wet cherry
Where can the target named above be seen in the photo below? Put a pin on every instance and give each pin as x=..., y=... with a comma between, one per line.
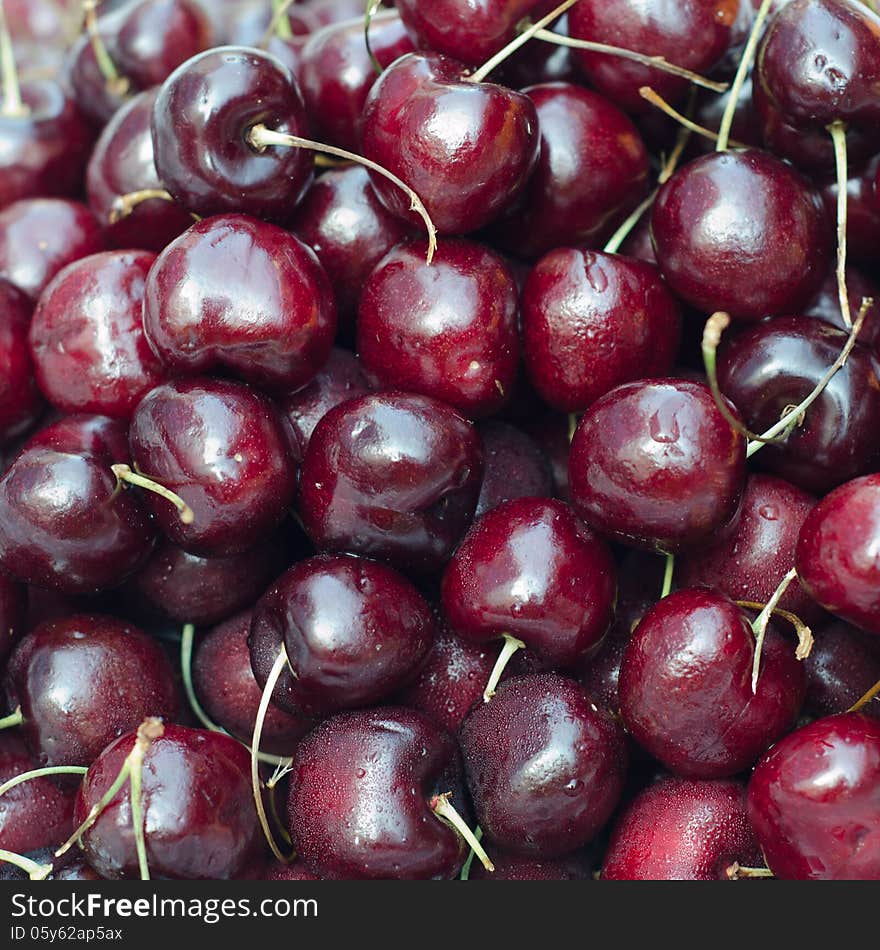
x=20, y=400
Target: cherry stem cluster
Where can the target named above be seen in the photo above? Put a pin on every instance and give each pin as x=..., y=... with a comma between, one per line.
x=445, y=810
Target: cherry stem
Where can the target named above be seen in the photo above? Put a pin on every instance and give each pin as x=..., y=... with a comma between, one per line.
x=838, y=137
x=265, y=699
x=280, y=21
x=759, y=625
x=369, y=13
x=35, y=871
x=647, y=93
x=124, y=205
x=136, y=779
x=260, y=138
x=804, y=633
x=654, y=62
x=15, y=718
x=466, y=867
x=115, y=83
x=667, y=575
x=791, y=418
x=42, y=773
x=573, y=420
x=511, y=645
x=12, y=103
x=745, y=64
x=535, y=29
x=443, y=808
x=736, y=872
x=858, y=705
x=124, y=474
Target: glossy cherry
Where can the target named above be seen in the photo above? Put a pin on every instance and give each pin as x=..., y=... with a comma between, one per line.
x=309, y=16
x=515, y=867
x=842, y=667
x=13, y=604
x=239, y=295
x=826, y=304
x=20, y=400
x=686, y=686
x=515, y=467
x=447, y=330
x=814, y=801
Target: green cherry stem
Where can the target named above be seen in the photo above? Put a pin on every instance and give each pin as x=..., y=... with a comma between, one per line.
x=511, y=645
x=13, y=719
x=443, y=808
x=41, y=773
x=36, y=872
x=759, y=625
x=668, y=572
x=12, y=103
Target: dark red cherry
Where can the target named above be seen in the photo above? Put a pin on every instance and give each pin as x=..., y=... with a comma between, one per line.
x=447, y=330
x=309, y=16
x=349, y=229
x=592, y=171
x=122, y=164
x=682, y=830
x=288, y=872
x=465, y=148
x=354, y=631
x=515, y=467
x=40, y=236
x=814, y=801
x=826, y=304
x=87, y=337
x=199, y=815
x=530, y=569
x=515, y=867
x=394, y=476
x=863, y=212
x=336, y=73
x=64, y=524
x=686, y=686
x=693, y=35
x=836, y=560
x=544, y=766
x=201, y=120
x=222, y=447
x=709, y=113
x=772, y=366
x=20, y=400
x=655, y=464
x=84, y=681
x=237, y=294
x=360, y=793
x=749, y=561
x=841, y=668
x=225, y=685
x=591, y=321
x=13, y=605
x=741, y=232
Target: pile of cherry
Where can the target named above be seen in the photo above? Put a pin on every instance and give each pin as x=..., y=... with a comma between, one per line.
x=441, y=440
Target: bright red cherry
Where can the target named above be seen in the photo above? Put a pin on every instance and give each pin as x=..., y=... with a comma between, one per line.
x=20, y=400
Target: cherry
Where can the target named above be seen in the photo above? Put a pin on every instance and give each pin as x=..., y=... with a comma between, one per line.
x=544, y=766
x=360, y=792
x=354, y=632
x=465, y=147
x=198, y=815
x=309, y=16
x=686, y=690
x=236, y=294
x=87, y=339
x=835, y=552
x=814, y=801
x=122, y=166
x=682, y=830
x=225, y=685
x=749, y=561
x=84, y=681
x=766, y=368
x=841, y=669
x=448, y=330
x=592, y=321
x=515, y=467
x=592, y=171
x=20, y=400
x=201, y=120
x=826, y=304
x=654, y=464
x=40, y=236
x=288, y=872
x=13, y=604
x=63, y=522
x=394, y=476
x=515, y=867
x=718, y=224
x=863, y=212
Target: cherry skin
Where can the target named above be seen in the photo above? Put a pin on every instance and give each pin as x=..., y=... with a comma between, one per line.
x=686, y=686
x=835, y=552
x=826, y=304
x=682, y=830
x=222, y=448
x=201, y=119
x=87, y=339
x=63, y=522
x=288, y=872
x=465, y=148
x=13, y=605
x=20, y=399
x=359, y=797
x=862, y=214
x=530, y=569
x=84, y=681
x=592, y=321
x=309, y=16
x=447, y=330
x=654, y=464
x=236, y=294
x=814, y=801
x=122, y=163
x=741, y=232
x=394, y=476
x=40, y=236
x=544, y=766
x=515, y=467
x=774, y=365
x=515, y=867
x=199, y=816
x=354, y=632
x=840, y=670
x=225, y=685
